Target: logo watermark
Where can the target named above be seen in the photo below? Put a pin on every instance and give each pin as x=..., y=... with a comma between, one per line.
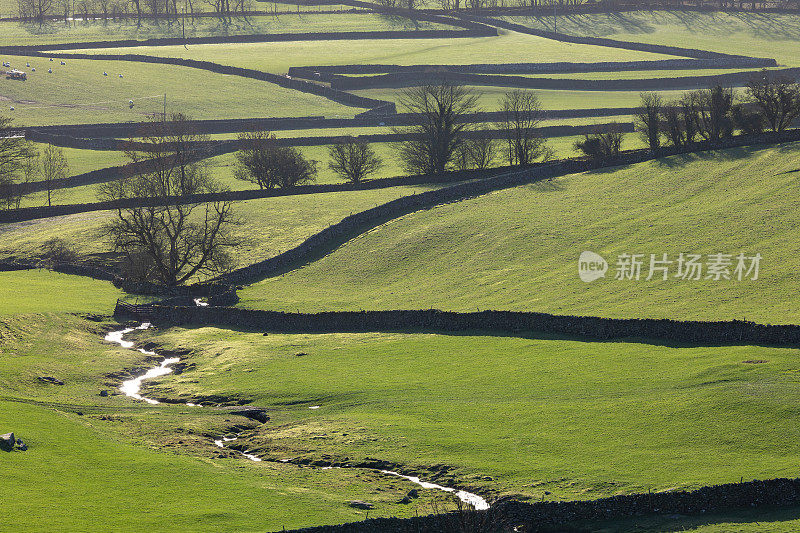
x=683, y=266
x=591, y=266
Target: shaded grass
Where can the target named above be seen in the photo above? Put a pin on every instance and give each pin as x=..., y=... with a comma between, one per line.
x=755, y=34
x=518, y=249
x=98, y=30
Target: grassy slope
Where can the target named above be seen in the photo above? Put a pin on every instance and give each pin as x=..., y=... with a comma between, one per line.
x=271, y=224
x=81, y=161
x=79, y=93
x=507, y=48
x=78, y=477
x=518, y=249
x=56, y=33
x=761, y=35
x=112, y=463
x=580, y=420
x=34, y=291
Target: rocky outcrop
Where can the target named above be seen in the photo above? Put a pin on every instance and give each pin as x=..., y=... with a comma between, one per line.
x=360, y=504
x=253, y=413
x=7, y=442
x=51, y=380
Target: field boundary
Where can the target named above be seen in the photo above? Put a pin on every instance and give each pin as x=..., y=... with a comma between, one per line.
x=397, y=80
x=208, y=149
x=551, y=514
x=327, y=72
x=601, y=41
x=237, y=125
x=522, y=323
x=378, y=107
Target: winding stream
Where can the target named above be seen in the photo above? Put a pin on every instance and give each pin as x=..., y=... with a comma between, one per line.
x=132, y=387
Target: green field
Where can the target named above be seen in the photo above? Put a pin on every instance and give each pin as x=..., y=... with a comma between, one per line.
x=518, y=249
x=79, y=31
x=81, y=161
x=527, y=415
x=40, y=291
x=490, y=98
x=771, y=35
x=78, y=93
x=222, y=167
x=646, y=417
x=509, y=47
x=109, y=463
x=270, y=225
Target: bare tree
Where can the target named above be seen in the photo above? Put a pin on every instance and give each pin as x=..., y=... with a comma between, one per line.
x=476, y=153
x=778, y=98
x=672, y=125
x=689, y=106
x=482, y=152
x=267, y=164
x=353, y=159
x=603, y=145
x=749, y=121
x=54, y=166
x=714, y=112
x=438, y=123
x=648, y=120
x=180, y=239
x=522, y=114
x=15, y=154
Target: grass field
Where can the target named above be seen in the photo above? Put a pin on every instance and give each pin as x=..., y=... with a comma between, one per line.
x=40, y=291
x=270, y=225
x=509, y=47
x=755, y=34
x=528, y=416
x=81, y=161
x=78, y=93
x=518, y=249
x=222, y=167
x=109, y=463
x=58, y=32
x=646, y=417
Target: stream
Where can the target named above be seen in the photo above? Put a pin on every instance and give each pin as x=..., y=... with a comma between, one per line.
x=132, y=387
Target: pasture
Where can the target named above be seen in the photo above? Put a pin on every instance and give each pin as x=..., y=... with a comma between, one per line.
x=509, y=47
x=269, y=226
x=575, y=419
x=79, y=93
x=39, y=291
x=518, y=249
x=774, y=35
x=526, y=416
x=57, y=32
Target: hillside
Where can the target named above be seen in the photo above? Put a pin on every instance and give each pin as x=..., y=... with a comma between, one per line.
x=518, y=249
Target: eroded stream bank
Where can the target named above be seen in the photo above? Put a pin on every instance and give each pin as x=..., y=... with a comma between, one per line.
x=133, y=386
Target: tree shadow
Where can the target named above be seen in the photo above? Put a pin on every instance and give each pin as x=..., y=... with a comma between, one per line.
x=397, y=22
x=723, y=154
